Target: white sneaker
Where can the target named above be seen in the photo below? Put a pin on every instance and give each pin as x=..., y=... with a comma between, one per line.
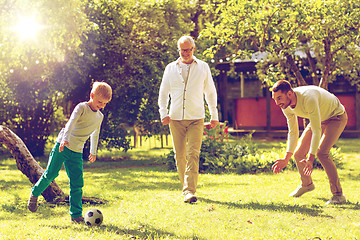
x=336, y=200
x=301, y=190
x=190, y=198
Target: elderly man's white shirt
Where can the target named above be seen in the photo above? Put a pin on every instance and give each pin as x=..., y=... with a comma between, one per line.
x=187, y=93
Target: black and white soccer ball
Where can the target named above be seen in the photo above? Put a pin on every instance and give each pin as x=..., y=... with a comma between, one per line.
x=93, y=217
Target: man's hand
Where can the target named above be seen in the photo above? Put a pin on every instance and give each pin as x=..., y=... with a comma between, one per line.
x=279, y=165
x=62, y=144
x=309, y=163
x=166, y=120
x=214, y=123
x=92, y=158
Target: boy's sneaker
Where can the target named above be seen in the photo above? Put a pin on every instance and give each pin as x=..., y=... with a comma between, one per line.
x=32, y=203
x=301, y=190
x=78, y=219
x=190, y=198
x=336, y=200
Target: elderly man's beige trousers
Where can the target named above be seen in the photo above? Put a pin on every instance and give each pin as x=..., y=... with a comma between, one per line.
x=187, y=138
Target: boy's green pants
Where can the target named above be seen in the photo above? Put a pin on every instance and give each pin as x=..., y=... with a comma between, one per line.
x=73, y=163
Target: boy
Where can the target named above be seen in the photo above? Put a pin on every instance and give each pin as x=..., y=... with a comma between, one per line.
x=85, y=122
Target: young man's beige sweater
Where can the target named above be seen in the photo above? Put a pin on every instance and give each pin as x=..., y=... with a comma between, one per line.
x=315, y=104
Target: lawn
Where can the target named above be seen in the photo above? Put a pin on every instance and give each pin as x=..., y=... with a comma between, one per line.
x=146, y=203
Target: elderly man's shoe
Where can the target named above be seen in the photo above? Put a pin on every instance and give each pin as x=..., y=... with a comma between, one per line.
x=190, y=198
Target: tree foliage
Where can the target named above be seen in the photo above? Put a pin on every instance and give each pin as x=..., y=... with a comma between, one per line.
x=27, y=66
x=324, y=34
x=133, y=42
x=125, y=43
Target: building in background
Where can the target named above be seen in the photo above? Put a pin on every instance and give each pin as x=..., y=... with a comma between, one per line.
x=246, y=103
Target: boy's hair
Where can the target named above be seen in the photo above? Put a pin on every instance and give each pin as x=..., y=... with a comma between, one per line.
x=102, y=89
x=282, y=85
x=186, y=39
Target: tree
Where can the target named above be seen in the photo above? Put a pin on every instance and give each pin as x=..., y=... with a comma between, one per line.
x=35, y=38
x=326, y=32
x=27, y=164
x=125, y=43
x=133, y=42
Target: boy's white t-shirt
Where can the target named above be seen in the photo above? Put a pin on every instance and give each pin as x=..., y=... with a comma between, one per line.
x=83, y=123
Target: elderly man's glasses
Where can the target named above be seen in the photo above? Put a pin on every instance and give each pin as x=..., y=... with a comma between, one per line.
x=185, y=50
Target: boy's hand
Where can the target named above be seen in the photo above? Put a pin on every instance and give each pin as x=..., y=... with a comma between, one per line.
x=62, y=144
x=92, y=158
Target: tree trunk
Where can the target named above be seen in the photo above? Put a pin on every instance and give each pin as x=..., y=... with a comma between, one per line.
x=324, y=82
x=312, y=64
x=195, y=19
x=27, y=164
x=300, y=79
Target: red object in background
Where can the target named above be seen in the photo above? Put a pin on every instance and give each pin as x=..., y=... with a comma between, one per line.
x=207, y=125
x=251, y=112
x=221, y=133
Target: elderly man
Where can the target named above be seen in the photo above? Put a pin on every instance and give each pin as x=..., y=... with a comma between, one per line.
x=186, y=81
x=327, y=118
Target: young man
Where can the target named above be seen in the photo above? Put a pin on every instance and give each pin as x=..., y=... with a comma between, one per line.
x=328, y=119
x=186, y=81
x=85, y=122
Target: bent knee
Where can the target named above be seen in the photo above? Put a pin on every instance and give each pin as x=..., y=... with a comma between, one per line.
x=322, y=155
x=298, y=156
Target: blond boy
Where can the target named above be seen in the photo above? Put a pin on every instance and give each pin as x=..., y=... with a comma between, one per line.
x=85, y=122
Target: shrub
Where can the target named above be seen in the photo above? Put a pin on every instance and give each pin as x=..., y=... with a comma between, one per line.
x=218, y=155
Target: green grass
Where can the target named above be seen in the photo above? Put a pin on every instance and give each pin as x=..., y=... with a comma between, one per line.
x=146, y=203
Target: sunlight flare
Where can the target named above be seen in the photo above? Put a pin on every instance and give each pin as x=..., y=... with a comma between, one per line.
x=27, y=28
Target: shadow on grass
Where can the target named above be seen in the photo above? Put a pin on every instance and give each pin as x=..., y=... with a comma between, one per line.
x=278, y=207
x=346, y=206
x=352, y=176
x=142, y=231
x=145, y=231
x=19, y=209
x=7, y=166
x=9, y=186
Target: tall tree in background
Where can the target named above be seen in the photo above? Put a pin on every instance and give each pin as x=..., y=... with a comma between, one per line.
x=134, y=41
x=326, y=32
x=73, y=43
x=35, y=37
x=52, y=50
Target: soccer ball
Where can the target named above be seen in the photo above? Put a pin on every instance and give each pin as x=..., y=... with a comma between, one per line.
x=93, y=217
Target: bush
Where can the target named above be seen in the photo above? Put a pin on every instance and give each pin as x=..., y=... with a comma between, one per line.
x=218, y=155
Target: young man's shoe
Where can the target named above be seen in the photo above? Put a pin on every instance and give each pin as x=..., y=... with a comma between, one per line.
x=190, y=198
x=78, y=219
x=336, y=200
x=301, y=190
x=32, y=203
